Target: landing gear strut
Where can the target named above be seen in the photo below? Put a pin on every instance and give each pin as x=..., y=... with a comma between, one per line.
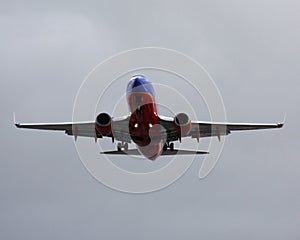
x=168, y=145
x=122, y=146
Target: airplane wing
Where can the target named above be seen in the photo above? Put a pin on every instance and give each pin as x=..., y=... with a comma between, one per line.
x=83, y=129
x=120, y=130
x=86, y=129
x=202, y=129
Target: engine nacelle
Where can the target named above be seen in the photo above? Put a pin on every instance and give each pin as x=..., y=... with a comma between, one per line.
x=103, y=124
x=183, y=124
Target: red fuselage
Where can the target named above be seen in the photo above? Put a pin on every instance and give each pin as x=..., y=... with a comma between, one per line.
x=144, y=126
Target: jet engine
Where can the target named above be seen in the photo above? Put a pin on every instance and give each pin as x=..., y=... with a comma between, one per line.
x=183, y=124
x=103, y=124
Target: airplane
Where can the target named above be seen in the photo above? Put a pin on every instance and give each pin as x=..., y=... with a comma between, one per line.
x=154, y=135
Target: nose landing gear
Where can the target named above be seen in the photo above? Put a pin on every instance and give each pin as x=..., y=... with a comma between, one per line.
x=122, y=146
x=168, y=145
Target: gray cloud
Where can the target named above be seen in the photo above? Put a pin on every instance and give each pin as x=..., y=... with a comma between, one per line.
x=252, y=51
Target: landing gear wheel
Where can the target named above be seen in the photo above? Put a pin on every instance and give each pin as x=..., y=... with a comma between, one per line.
x=126, y=147
x=119, y=147
x=122, y=147
x=165, y=148
x=171, y=146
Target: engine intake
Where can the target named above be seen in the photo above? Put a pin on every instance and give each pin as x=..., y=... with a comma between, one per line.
x=103, y=124
x=183, y=124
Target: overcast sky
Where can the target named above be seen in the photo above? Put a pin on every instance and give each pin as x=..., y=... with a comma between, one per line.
x=251, y=49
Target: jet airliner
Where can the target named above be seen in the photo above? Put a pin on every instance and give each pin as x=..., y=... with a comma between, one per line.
x=152, y=133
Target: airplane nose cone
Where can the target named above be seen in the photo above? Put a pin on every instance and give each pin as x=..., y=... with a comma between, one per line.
x=137, y=82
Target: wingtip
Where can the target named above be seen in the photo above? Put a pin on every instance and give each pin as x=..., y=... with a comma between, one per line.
x=15, y=122
x=280, y=125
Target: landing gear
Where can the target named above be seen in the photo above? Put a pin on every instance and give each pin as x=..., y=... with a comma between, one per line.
x=172, y=146
x=122, y=147
x=165, y=148
x=168, y=145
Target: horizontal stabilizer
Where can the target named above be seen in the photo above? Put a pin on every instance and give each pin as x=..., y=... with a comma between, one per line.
x=164, y=153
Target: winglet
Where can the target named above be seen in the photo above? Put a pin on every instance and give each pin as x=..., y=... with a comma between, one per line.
x=15, y=122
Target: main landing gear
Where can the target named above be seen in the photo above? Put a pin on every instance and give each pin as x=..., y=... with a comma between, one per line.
x=168, y=145
x=122, y=146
